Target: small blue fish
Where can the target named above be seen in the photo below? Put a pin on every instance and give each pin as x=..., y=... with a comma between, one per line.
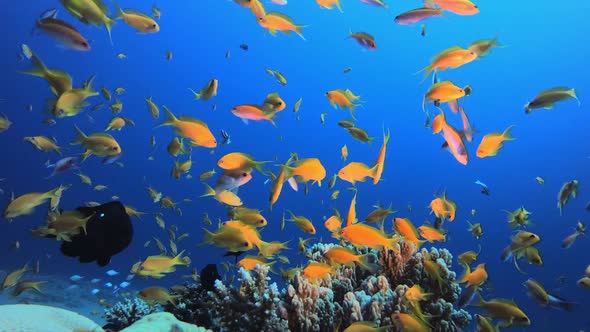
x=112, y=273
x=226, y=137
x=484, y=188
x=76, y=277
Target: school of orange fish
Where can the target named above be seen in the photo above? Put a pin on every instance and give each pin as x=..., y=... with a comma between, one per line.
x=240, y=233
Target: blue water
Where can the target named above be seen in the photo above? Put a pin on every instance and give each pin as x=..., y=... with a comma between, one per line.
x=544, y=47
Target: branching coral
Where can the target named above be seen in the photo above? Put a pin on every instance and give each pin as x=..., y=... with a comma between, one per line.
x=252, y=307
x=127, y=312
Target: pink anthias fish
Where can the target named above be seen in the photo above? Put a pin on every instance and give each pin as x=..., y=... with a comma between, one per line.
x=417, y=15
x=63, y=165
x=232, y=180
x=279, y=2
x=376, y=3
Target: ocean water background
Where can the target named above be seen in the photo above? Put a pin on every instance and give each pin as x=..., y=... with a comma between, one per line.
x=544, y=47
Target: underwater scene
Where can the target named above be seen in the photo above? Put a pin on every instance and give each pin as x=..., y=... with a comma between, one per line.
x=294, y=165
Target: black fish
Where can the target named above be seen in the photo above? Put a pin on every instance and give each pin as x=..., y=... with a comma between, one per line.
x=438, y=223
x=244, y=47
x=108, y=233
x=588, y=206
x=208, y=276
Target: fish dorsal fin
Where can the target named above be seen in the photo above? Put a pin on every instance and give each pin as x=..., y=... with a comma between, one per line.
x=506, y=301
x=446, y=52
x=557, y=89
x=135, y=12
x=187, y=118
x=281, y=15
x=56, y=21
x=102, y=135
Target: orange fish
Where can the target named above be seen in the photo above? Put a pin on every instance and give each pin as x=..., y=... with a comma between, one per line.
x=317, y=270
x=256, y=8
x=459, y=7
x=334, y=223
x=356, y=172
x=362, y=235
x=343, y=99
x=346, y=256
x=492, y=143
x=351, y=216
x=191, y=128
x=431, y=234
x=277, y=185
x=478, y=277
x=344, y=152
x=381, y=158
x=274, y=22
x=252, y=112
x=406, y=229
x=329, y=4
x=310, y=169
x=452, y=57
x=237, y=161
x=443, y=92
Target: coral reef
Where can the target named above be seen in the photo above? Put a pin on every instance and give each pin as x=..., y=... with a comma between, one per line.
x=252, y=307
x=349, y=295
x=127, y=312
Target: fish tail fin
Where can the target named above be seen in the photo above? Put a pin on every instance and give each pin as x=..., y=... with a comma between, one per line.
x=572, y=93
x=506, y=254
x=428, y=69
x=196, y=95
x=37, y=285
x=207, y=237
x=507, y=135
x=81, y=136
x=108, y=24
x=178, y=259
x=118, y=11
x=561, y=303
x=38, y=67
x=386, y=136
x=365, y=263
x=339, y=6
x=373, y=172
x=170, y=119
x=208, y=191
x=88, y=85
x=298, y=30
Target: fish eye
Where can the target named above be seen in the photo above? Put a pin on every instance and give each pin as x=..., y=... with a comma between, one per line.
x=532, y=236
x=153, y=26
x=244, y=174
x=115, y=148
x=246, y=244
x=262, y=221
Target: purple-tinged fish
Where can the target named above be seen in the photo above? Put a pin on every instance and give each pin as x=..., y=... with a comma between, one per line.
x=376, y=3
x=232, y=180
x=417, y=15
x=61, y=31
x=63, y=165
